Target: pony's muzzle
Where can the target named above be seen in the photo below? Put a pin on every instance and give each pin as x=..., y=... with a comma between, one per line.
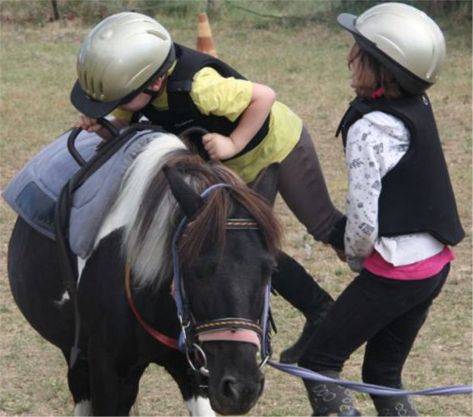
x=236, y=397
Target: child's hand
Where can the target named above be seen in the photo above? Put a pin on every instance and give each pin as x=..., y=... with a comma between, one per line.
x=88, y=124
x=219, y=146
x=355, y=263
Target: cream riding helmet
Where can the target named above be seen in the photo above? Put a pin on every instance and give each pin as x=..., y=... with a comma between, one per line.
x=118, y=59
x=404, y=39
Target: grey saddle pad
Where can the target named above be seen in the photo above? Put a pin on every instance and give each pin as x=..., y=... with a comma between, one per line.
x=33, y=192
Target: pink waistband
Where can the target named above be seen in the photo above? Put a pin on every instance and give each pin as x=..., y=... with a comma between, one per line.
x=417, y=270
x=242, y=335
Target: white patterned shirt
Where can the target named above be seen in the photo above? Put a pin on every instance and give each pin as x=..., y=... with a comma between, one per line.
x=375, y=144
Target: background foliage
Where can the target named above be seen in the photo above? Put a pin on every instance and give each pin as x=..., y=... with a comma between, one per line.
x=295, y=47
x=286, y=11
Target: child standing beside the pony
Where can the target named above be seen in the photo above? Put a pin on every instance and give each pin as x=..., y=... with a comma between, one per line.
x=401, y=210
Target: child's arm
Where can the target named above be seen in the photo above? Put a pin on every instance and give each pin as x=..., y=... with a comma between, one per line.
x=223, y=147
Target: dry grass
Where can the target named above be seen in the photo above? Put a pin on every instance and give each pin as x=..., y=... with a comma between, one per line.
x=306, y=66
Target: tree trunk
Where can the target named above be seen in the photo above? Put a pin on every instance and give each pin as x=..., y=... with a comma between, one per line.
x=55, y=10
x=213, y=8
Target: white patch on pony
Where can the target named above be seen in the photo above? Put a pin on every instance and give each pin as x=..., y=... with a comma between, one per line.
x=65, y=295
x=83, y=408
x=80, y=268
x=64, y=299
x=199, y=406
x=135, y=183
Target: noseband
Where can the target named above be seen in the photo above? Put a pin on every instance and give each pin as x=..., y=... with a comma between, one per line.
x=229, y=329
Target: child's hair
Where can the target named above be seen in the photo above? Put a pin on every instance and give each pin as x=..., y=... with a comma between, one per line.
x=370, y=76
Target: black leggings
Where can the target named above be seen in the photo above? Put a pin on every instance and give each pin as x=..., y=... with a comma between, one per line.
x=385, y=313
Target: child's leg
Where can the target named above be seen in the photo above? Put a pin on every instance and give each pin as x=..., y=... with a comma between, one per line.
x=302, y=186
x=298, y=287
x=363, y=310
x=387, y=351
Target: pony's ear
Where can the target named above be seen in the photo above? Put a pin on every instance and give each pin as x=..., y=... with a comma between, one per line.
x=266, y=183
x=189, y=201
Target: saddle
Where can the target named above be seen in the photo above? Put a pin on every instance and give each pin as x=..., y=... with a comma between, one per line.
x=34, y=191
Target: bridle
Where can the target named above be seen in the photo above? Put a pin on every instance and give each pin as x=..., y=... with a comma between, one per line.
x=230, y=329
x=194, y=333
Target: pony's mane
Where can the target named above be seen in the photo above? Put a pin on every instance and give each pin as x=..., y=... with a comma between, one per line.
x=150, y=226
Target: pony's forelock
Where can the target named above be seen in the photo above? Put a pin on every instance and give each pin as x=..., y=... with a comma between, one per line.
x=209, y=226
x=147, y=239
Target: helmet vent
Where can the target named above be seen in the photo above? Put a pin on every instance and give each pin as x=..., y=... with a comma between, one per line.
x=86, y=81
x=158, y=34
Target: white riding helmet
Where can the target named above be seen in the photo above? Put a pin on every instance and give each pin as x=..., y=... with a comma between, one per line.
x=404, y=39
x=118, y=59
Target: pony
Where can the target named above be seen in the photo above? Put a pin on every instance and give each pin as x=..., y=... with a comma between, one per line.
x=166, y=221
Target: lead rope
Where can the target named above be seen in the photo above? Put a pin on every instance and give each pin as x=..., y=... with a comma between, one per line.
x=370, y=388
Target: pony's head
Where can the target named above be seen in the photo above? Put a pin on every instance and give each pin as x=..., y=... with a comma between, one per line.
x=224, y=269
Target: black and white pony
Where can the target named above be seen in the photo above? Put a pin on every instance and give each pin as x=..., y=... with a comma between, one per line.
x=224, y=254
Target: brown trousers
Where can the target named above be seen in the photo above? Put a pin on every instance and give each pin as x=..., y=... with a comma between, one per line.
x=302, y=186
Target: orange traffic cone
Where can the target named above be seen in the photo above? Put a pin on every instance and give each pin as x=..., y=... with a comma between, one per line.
x=205, y=41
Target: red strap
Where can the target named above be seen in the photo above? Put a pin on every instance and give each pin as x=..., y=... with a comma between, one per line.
x=379, y=92
x=160, y=337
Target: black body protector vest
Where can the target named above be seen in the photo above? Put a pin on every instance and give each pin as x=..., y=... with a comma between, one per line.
x=182, y=112
x=416, y=194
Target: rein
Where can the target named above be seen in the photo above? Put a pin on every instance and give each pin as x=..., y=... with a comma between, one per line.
x=229, y=329
x=155, y=334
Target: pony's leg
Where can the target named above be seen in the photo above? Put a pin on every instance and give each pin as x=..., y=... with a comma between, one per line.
x=78, y=379
x=83, y=408
x=190, y=385
x=113, y=390
x=104, y=381
x=129, y=385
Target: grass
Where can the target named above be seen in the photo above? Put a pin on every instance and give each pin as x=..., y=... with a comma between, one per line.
x=305, y=64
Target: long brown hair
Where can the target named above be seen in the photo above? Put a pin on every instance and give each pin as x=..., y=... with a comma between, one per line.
x=369, y=76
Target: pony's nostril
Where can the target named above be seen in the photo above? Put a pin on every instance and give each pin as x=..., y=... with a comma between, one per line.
x=228, y=386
